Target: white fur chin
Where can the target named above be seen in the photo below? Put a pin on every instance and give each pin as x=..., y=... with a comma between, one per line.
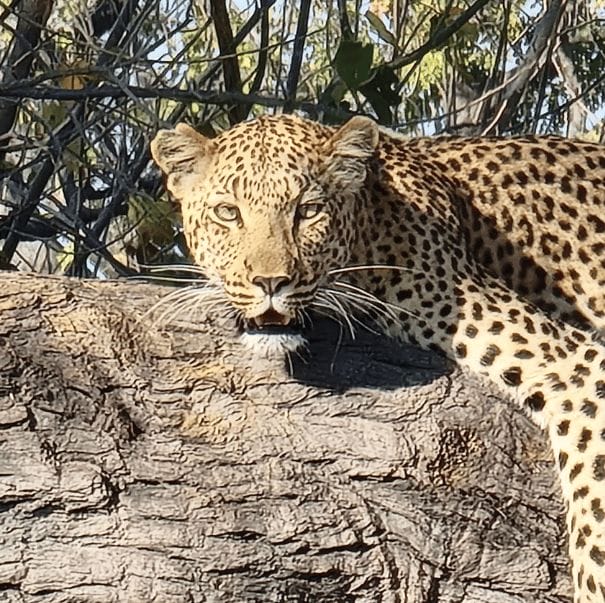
x=270, y=346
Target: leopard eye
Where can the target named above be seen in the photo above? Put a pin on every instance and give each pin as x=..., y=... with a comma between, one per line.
x=227, y=212
x=307, y=211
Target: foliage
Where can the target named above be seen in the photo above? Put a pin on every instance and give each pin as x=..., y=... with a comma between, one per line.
x=86, y=84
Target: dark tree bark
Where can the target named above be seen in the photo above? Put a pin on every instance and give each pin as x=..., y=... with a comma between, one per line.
x=33, y=15
x=154, y=463
x=229, y=59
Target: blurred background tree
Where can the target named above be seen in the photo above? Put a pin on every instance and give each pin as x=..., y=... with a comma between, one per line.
x=85, y=85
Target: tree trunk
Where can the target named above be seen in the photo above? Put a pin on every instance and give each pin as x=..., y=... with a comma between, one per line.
x=154, y=462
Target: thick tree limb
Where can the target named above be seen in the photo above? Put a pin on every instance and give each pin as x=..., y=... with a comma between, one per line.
x=541, y=45
x=229, y=58
x=33, y=15
x=302, y=27
x=185, y=96
x=149, y=463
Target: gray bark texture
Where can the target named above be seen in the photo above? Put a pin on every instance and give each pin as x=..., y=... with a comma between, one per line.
x=143, y=460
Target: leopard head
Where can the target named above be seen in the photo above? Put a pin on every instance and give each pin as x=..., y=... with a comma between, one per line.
x=269, y=209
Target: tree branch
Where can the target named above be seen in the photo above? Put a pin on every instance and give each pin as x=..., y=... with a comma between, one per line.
x=543, y=38
x=440, y=37
x=177, y=94
x=297, y=53
x=228, y=58
x=32, y=17
x=263, y=51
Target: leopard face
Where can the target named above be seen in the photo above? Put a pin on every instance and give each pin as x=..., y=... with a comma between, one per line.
x=269, y=209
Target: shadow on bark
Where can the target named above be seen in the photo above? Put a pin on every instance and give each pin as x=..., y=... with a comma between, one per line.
x=340, y=362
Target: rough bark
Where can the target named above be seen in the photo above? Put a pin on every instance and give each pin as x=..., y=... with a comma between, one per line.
x=148, y=462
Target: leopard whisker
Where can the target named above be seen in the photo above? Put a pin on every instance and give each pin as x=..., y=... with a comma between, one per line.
x=360, y=306
x=173, y=279
x=180, y=309
x=348, y=318
x=193, y=268
x=175, y=307
x=381, y=312
x=361, y=267
x=394, y=309
x=177, y=311
x=167, y=298
x=182, y=298
x=367, y=299
x=303, y=316
x=333, y=310
x=366, y=306
x=328, y=311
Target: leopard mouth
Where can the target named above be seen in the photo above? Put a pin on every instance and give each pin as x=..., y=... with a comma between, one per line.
x=271, y=322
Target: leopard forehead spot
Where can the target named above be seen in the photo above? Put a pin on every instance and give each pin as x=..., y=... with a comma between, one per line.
x=265, y=165
x=488, y=250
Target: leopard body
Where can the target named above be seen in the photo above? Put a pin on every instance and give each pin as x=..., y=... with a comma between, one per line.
x=491, y=251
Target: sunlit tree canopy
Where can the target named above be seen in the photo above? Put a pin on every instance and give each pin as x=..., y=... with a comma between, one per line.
x=85, y=85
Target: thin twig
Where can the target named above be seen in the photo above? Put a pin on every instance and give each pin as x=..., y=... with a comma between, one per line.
x=440, y=37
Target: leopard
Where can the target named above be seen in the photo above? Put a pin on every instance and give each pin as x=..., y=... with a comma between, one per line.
x=488, y=250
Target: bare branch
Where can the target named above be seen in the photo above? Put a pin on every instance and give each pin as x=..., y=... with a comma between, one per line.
x=297, y=52
x=228, y=58
x=177, y=94
x=440, y=37
x=33, y=15
x=542, y=40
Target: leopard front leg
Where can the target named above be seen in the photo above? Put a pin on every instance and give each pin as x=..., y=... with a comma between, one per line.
x=557, y=374
x=554, y=372
x=450, y=303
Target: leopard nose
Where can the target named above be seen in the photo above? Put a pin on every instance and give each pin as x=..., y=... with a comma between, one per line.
x=271, y=284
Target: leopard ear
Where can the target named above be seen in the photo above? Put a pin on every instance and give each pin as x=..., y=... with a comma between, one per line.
x=182, y=154
x=357, y=138
x=349, y=149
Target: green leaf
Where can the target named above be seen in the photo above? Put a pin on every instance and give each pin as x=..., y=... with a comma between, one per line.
x=334, y=93
x=353, y=63
x=333, y=103
x=383, y=33
x=381, y=92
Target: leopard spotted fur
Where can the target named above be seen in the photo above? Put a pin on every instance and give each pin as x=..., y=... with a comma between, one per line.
x=491, y=251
